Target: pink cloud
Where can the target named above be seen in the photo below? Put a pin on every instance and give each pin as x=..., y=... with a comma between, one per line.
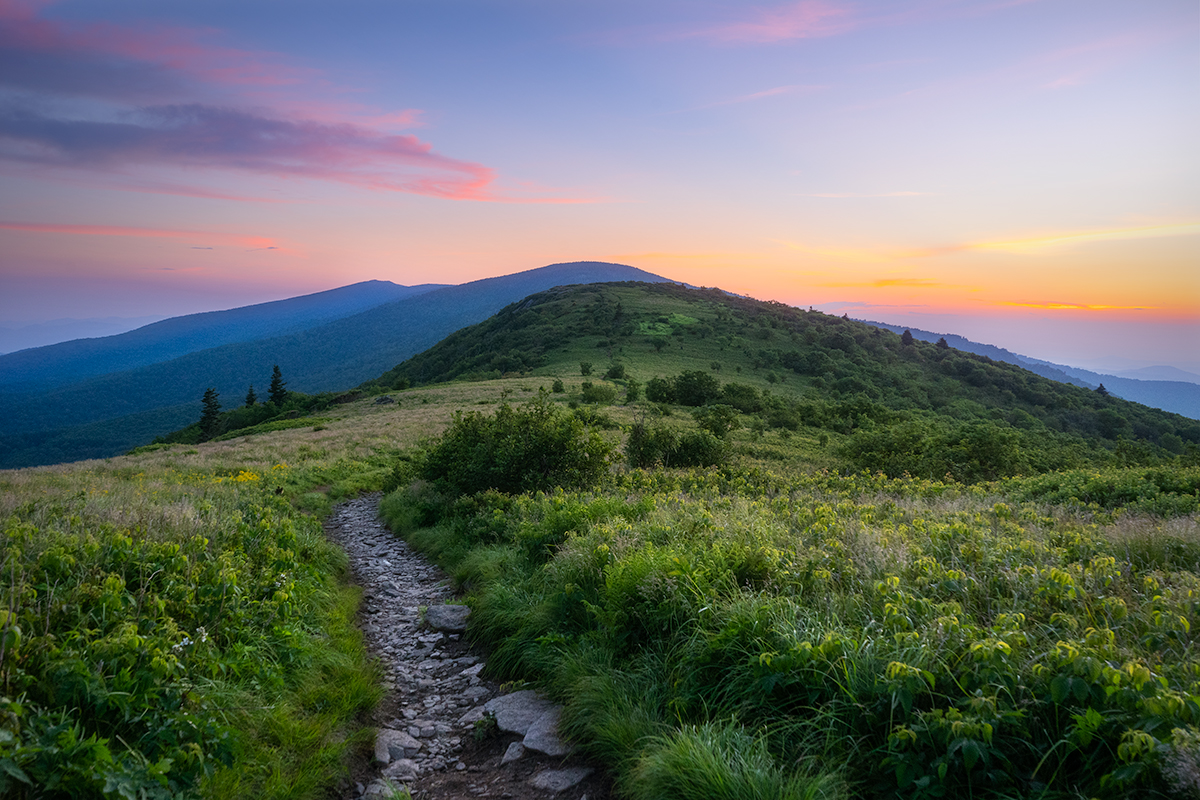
x=257, y=242
x=807, y=19
x=234, y=115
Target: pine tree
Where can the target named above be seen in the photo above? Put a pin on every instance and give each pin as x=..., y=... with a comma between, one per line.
x=251, y=397
x=210, y=417
x=1100, y=390
x=906, y=338
x=941, y=343
x=278, y=391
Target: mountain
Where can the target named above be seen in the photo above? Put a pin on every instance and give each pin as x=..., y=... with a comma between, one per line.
x=328, y=357
x=68, y=362
x=1176, y=395
x=1159, y=373
x=920, y=408
x=53, y=331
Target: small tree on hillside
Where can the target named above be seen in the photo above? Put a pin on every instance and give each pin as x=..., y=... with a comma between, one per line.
x=251, y=397
x=942, y=344
x=210, y=416
x=278, y=390
x=906, y=338
x=1100, y=390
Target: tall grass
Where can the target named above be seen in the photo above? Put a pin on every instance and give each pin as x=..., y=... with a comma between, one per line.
x=900, y=637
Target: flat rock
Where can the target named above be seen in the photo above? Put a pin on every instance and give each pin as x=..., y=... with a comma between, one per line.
x=393, y=744
x=452, y=619
x=513, y=753
x=557, y=780
x=472, y=716
x=404, y=769
x=542, y=735
x=516, y=712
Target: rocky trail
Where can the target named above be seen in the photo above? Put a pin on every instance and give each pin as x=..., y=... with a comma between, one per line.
x=436, y=702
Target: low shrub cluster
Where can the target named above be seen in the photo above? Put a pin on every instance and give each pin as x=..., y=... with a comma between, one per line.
x=174, y=635
x=534, y=447
x=660, y=446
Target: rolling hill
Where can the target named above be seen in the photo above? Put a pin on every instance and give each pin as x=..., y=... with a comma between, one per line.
x=336, y=355
x=901, y=404
x=1174, y=393
x=53, y=365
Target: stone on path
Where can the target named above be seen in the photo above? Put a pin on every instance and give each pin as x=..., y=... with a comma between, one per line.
x=557, y=780
x=392, y=744
x=451, y=619
x=472, y=716
x=542, y=735
x=516, y=712
x=513, y=753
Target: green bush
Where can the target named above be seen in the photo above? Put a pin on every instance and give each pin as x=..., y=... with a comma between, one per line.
x=719, y=420
x=532, y=448
x=597, y=393
x=658, y=445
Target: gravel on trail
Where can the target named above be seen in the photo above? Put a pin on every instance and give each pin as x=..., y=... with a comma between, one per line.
x=435, y=697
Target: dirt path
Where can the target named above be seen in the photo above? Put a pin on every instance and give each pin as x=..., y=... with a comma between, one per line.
x=434, y=693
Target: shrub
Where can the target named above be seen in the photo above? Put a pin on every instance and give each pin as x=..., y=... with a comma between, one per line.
x=633, y=390
x=718, y=420
x=696, y=388
x=557, y=387
x=533, y=448
x=597, y=393
x=658, y=445
x=616, y=371
x=742, y=397
x=660, y=390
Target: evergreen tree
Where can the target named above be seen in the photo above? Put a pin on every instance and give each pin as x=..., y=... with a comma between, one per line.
x=251, y=397
x=906, y=338
x=1100, y=390
x=210, y=417
x=941, y=343
x=278, y=390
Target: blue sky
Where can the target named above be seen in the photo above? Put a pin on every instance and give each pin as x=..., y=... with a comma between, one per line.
x=1022, y=173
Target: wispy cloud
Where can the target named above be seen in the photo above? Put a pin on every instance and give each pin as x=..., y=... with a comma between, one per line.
x=129, y=101
x=206, y=136
x=1050, y=306
x=808, y=19
x=1035, y=243
x=843, y=195
x=260, y=242
x=1027, y=245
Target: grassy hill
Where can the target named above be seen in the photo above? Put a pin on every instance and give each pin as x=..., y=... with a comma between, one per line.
x=894, y=406
x=788, y=622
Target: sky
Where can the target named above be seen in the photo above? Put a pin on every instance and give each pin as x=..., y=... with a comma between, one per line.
x=1021, y=172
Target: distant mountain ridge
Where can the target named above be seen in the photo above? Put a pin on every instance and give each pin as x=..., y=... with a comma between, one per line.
x=333, y=356
x=67, y=362
x=1177, y=396
x=54, y=331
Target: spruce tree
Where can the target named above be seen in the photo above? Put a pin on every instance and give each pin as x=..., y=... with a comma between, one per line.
x=943, y=344
x=906, y=338
x=278, y=390
x=210, y=416
x=251, y=397
x=1100, y=390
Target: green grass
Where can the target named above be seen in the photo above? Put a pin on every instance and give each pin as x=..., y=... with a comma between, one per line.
x=891, y=636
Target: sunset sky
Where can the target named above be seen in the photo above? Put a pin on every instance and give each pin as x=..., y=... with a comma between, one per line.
x=1021, y=172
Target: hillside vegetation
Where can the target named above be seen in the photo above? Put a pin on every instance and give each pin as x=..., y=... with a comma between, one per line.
x=47, y=425
x=905, y=572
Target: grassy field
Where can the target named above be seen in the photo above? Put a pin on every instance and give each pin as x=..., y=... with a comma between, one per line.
x=784, y=624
